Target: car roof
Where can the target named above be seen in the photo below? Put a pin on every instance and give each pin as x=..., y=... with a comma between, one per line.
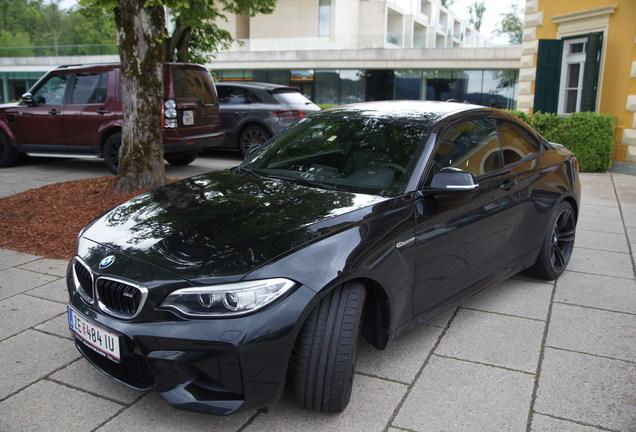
x=256, y=85
x=427, y=112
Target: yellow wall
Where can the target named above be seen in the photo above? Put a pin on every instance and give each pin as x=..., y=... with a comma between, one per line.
x=618, y=55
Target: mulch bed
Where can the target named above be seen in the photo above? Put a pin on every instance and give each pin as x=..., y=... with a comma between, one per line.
x=46, y=221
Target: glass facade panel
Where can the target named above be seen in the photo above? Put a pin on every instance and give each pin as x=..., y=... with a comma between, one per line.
x=15, y=84
x=408, y=84
x=352, y=86
x=494, y=88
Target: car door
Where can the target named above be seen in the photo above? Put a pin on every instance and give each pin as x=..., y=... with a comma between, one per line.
x=86, y=110
x=40, y=125
x=464, y=237
x=234, y=107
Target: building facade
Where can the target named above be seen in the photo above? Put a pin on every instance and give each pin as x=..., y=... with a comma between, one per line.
x=342, y=51
x=580, y=55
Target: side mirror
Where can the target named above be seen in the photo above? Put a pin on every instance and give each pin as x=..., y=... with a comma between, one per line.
x=27, y=99
x=453, y=180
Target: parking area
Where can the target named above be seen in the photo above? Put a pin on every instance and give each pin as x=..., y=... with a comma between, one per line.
x=523, y=356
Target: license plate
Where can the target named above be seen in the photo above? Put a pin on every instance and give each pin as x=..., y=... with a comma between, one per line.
x=95, y=337
x=188, y=118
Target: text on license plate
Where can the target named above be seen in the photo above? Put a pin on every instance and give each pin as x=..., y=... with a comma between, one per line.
x=188, y=118
x=100, y=340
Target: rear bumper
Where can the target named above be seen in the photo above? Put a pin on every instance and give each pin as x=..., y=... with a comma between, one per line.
x=194, y=143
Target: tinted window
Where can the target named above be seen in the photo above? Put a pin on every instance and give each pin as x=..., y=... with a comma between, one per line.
x=516, y=145
x=470, y=145
x=291, y=97
x=237, y=95
x=194, y=84
x=51, y=92
x=90, y=88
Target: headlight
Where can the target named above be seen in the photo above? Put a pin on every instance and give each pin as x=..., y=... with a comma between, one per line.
x=227, y=300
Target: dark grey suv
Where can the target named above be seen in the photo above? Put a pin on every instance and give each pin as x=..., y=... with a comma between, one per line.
x=252, y=112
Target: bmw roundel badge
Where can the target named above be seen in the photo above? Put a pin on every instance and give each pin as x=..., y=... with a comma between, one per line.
x=106, y=261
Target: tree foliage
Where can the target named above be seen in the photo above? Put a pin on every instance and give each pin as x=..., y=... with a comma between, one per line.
x=196, y=33
x=447, y=3
x=511, y=25
x=36, y=27
x=476, y=11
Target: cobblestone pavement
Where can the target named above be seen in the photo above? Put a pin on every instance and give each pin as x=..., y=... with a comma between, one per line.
x=522, y=356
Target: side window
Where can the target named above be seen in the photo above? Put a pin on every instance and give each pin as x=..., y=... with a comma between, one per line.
x=89, y=88
x=51, y=92
x=236, y=95
x=470, y=145
x=516, y=145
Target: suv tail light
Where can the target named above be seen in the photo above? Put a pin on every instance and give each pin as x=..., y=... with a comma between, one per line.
x=169, y=114
x=289, y=113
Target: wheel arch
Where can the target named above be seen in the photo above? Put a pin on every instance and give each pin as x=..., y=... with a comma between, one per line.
x=107, y=134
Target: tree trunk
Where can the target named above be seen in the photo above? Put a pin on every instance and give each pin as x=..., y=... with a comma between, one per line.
x=142, y=54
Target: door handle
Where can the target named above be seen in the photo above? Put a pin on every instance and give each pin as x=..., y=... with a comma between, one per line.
x=102, y=111
x=507, y=184
x=54, y=112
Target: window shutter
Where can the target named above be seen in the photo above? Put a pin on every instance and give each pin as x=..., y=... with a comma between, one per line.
x=592, y=67
x=546, y=93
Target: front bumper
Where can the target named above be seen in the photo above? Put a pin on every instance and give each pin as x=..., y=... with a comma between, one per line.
x=216, y=366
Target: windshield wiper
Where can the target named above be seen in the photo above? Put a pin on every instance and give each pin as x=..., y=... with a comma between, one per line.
x=302, y=181
x=242, y=169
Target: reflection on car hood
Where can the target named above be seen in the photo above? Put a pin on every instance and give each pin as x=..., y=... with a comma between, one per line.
x=224, y=224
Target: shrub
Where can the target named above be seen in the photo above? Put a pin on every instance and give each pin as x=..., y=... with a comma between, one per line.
x=590, y=136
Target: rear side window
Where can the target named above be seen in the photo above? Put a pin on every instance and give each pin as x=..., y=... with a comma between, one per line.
x=237, y=95
x=90, y=88
x=194, y=84
x=516, y=145
x=291, y=97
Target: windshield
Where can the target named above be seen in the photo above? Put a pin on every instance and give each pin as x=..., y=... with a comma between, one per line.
x=349, y=151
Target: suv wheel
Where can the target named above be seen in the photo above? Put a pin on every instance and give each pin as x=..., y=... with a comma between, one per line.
x=252, y=137
x=8, y=154
x=111, y=152
x=181, y=159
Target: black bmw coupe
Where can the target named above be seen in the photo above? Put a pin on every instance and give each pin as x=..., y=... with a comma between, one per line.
x=358, y=221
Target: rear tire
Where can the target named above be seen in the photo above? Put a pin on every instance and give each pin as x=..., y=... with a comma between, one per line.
x=327, y=350
x=111, y=152
x=8, y=154
x=252, y=137
x=558, y=244
x=181, y=159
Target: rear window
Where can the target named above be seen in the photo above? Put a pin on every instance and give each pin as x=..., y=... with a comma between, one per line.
x=194, y=84
x=291, y=97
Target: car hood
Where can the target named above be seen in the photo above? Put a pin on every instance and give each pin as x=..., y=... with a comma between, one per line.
x=224, y=224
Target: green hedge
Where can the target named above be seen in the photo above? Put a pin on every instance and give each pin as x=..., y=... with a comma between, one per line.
x=588, y=135
x=325, y=106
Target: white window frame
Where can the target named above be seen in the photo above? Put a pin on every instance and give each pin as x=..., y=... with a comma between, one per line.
x=567, y=60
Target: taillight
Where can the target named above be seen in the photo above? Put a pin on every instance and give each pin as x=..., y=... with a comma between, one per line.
x=287, y=114
x=169, y=114
x=575, y=163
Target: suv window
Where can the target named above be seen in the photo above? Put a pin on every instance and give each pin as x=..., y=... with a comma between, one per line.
x=516, y=144
x=90, y=88
x=194, y=84
x=470, y=145
x=291, y=97
x=236, y=95
x=51, y=92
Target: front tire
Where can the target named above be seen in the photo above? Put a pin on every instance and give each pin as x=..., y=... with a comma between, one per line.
x=558, y=244
x=111, y=152
x=327, y=350
x=8, y=154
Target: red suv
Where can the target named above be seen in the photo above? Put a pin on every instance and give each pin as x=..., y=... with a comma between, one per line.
x=75, y=111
